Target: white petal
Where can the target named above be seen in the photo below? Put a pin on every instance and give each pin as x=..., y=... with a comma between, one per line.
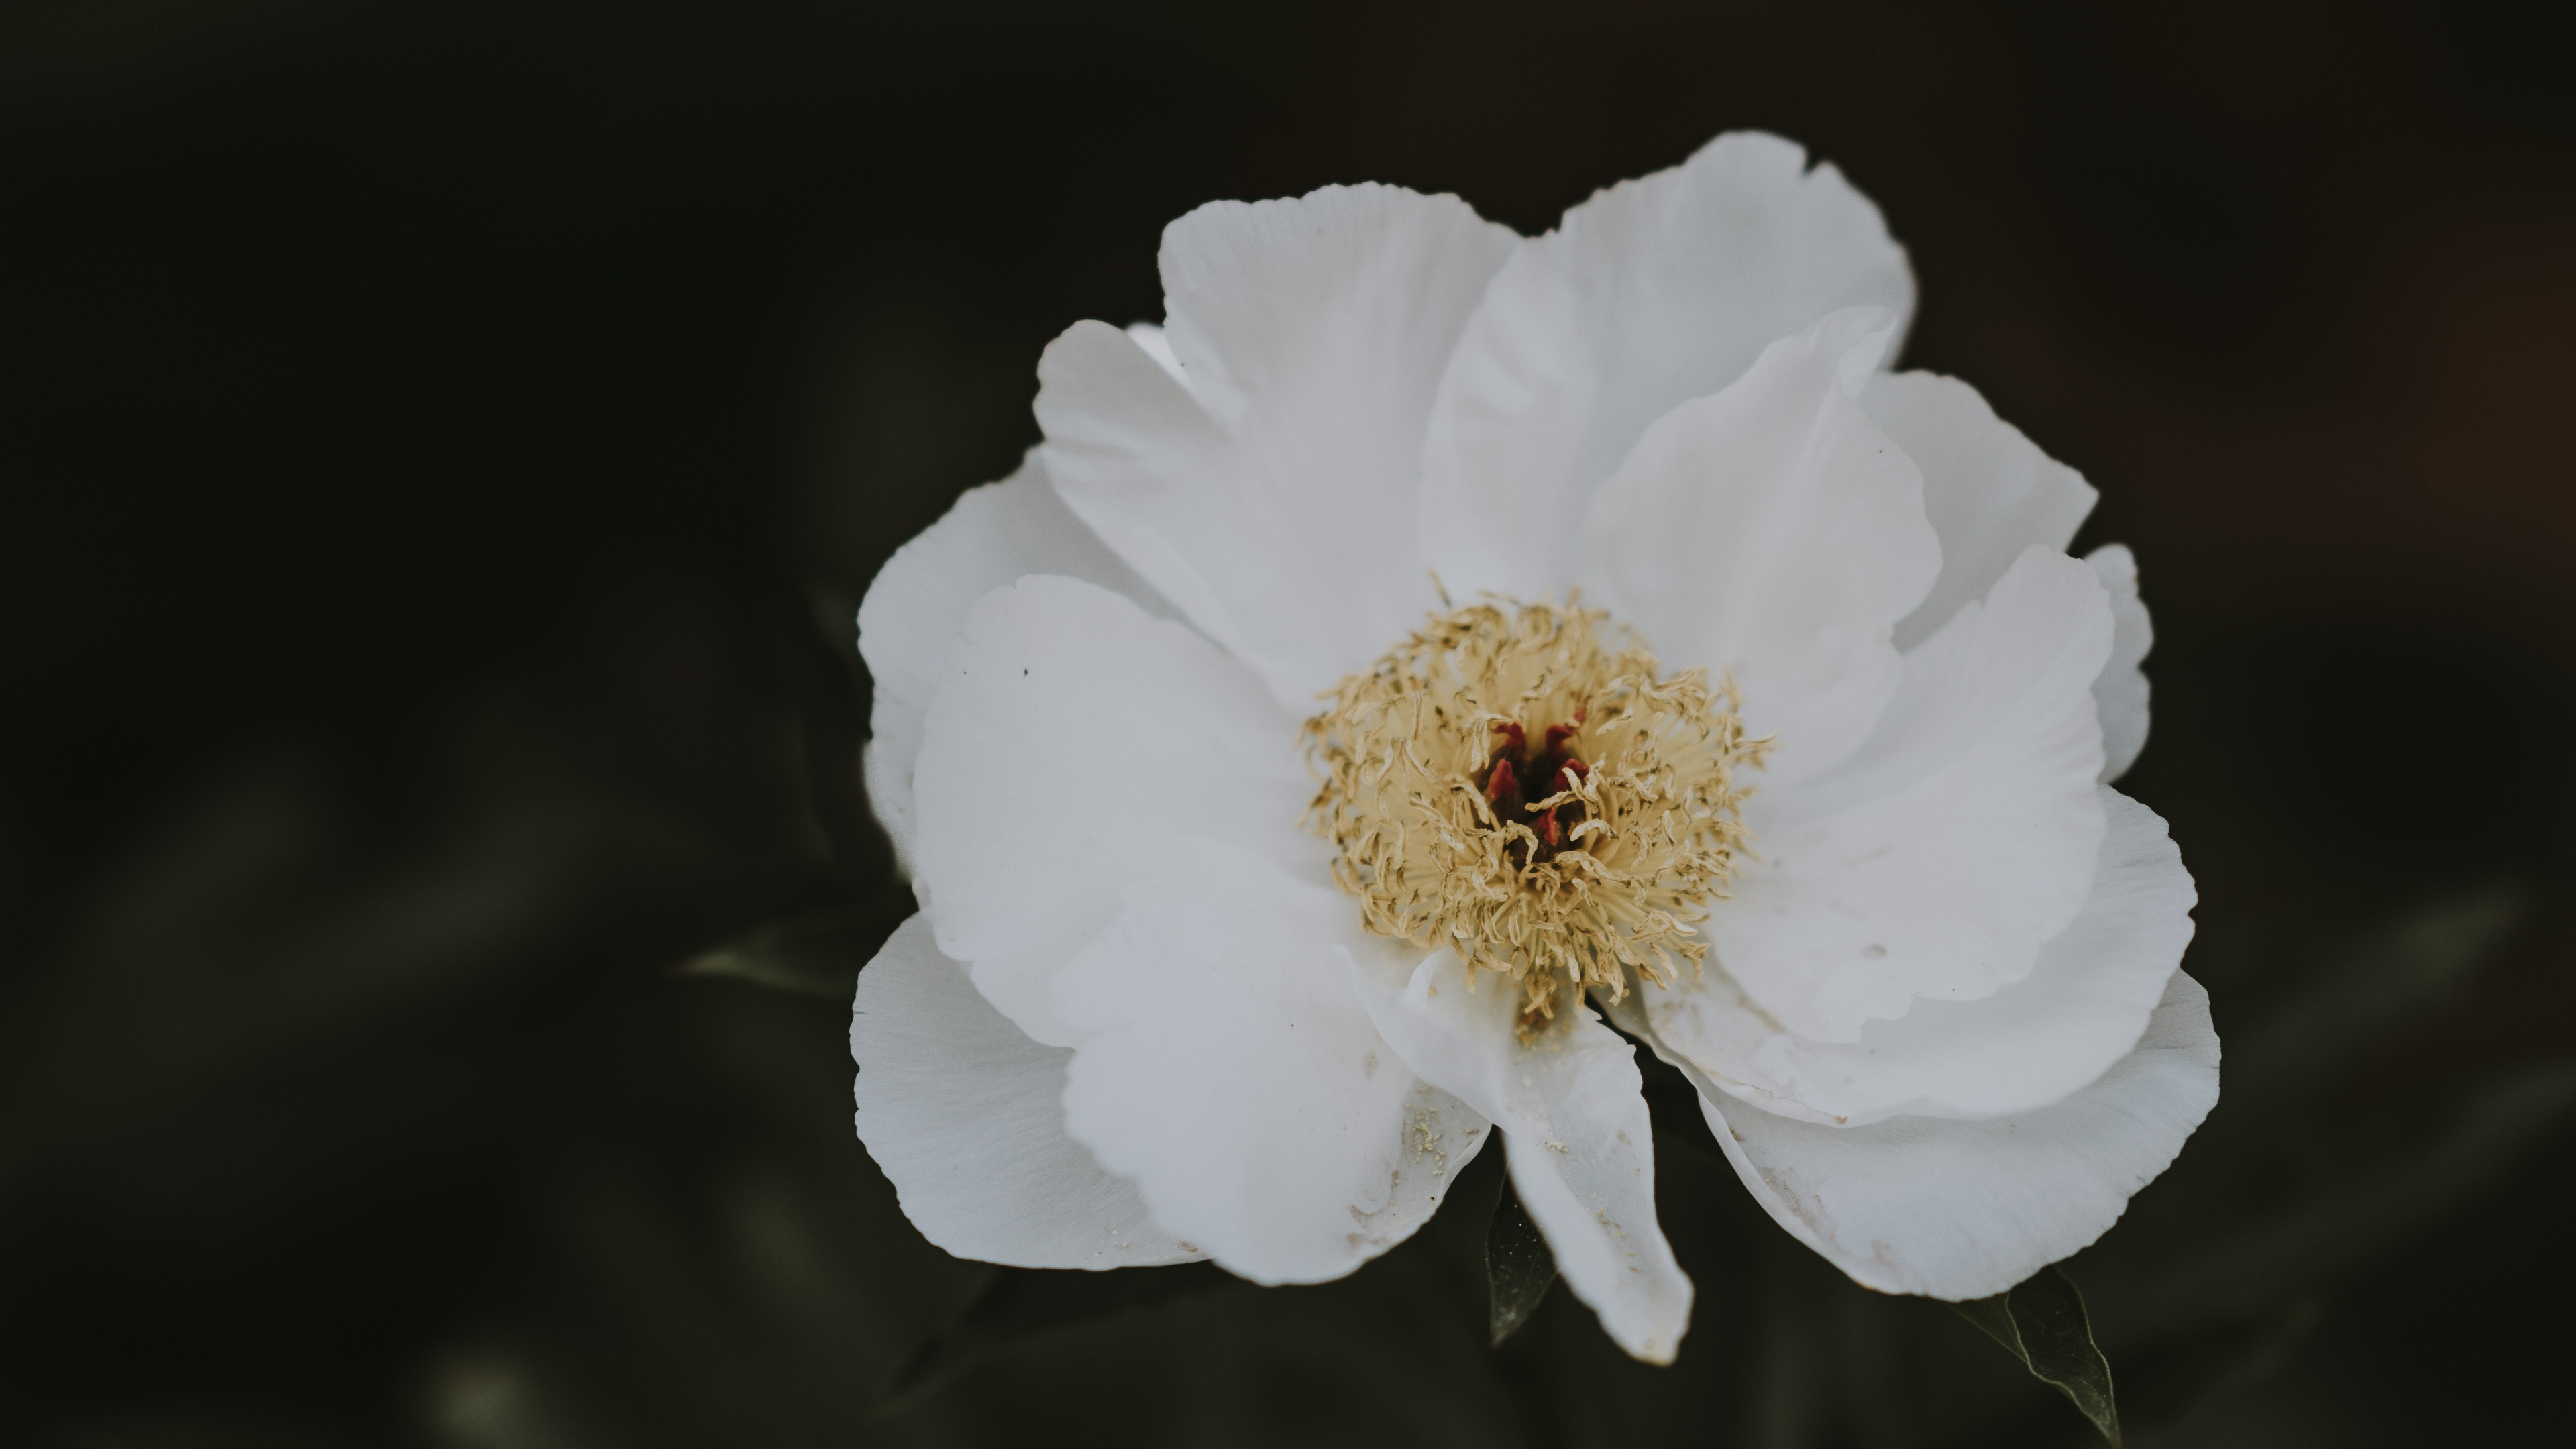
x=1226, y=1066
x=1988, y=491
x=2121, y=691
x=1962, y=1210
x=1938, y=859
x=993, y=535
x=1271, y=496
x=1581, y=1145
x=2082, y=1008
x=966, y=1116
x=1158, y=346
x=1652, y=293
x=1774, y=532
x=1073, y=742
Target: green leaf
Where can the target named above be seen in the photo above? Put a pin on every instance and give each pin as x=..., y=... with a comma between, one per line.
x=1518, y=1266
x=1017, y=1305
x=815, y=954
x=2041, y=1320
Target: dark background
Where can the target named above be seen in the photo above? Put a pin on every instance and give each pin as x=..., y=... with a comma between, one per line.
x=444, y=446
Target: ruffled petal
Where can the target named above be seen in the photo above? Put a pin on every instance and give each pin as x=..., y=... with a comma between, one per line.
x=966, y=1116
x=2082, y=1008
x=1652, y=293
x=1961, y=1210
x=1074, y=742
x=1580, y=1144
x=992, y=535
x=1227, y=1067
x=1988, y=491
x=1773, y=533
x=2121, y=691
x=1270, y=494
x=1937, y=860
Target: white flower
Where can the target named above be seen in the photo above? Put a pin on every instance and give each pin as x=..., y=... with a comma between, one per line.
x=1165, y=1001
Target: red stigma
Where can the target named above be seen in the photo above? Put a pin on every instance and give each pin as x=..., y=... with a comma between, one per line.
x=1520, y=773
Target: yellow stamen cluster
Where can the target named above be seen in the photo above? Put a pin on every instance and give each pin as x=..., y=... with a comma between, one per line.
x=1406, y=750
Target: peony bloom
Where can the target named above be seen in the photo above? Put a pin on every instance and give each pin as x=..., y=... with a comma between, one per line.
x=1432, y=647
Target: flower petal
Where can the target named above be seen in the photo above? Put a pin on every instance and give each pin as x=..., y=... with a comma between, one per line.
x=966, y=1116
x=1988, y=491
x=1581, y=1145
x=2121, y=691
x=1226, y=1066
x=991, y=536
x=1271, y=495
x=1158, y=346
x=1074, y=741
x=1938, y=859
x=1961, y=1210
x=2081, y=1009
x=1652, y=293
x=1773, y=532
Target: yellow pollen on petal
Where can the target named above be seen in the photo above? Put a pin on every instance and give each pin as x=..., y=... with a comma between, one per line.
x=1523, y=783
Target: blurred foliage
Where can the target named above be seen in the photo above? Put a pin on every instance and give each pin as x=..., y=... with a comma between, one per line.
x=1018, y=1307
x=2218, y=1275
x=816, y=953
x=447, y=444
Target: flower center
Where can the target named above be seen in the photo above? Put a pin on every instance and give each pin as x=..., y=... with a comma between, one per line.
x=1522, y=783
